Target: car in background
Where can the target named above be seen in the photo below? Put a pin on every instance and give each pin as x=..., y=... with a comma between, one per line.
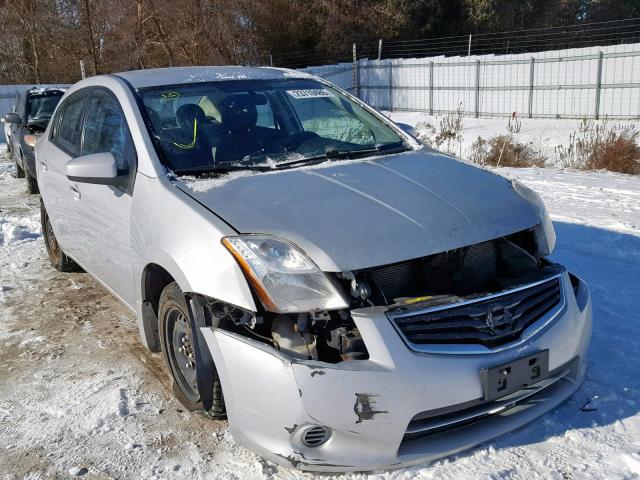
x=26, y=124
x=7, y=130
x=349, y=298
x=7, y=135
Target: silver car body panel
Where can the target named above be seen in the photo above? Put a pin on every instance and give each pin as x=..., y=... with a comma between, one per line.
x=171, y=230
x=369, y=404
x=353, y=215
x=154, y=77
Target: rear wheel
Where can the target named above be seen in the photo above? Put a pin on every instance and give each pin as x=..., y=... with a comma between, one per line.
x=32, y=183
x=19, y=170
x=58, y=259
x=178, y=347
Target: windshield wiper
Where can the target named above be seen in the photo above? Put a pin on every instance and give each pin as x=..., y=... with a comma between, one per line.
x=219, y=169
x=379, y=149
x=307, y=161
x=335, y=154
x=36, y=121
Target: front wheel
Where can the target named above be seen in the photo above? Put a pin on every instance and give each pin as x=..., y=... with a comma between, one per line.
x=177, y=340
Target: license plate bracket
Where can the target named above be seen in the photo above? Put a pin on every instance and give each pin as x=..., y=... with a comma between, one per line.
x=502, y=380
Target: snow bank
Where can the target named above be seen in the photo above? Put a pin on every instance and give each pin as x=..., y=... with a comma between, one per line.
x=543, y=134
x=17, y=229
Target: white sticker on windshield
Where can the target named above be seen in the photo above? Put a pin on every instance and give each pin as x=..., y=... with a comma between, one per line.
x=310, y=93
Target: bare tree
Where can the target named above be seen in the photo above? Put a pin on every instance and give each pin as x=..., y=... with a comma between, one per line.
x=44, y=40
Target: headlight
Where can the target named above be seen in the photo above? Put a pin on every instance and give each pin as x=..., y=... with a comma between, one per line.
x=544, y=232
x=285, y=279
x=30, y=140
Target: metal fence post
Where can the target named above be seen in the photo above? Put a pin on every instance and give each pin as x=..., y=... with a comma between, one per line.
x=598, y=84
x=390, y=86
x=380, y=49
x=431, y=67
x=477, y=88
x=271, y=60
x=356, y=73
x=531, y=77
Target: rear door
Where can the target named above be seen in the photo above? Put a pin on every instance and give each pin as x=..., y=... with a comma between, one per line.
x=101, y=213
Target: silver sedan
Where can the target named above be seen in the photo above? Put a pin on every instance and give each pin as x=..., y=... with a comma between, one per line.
x=348, y=298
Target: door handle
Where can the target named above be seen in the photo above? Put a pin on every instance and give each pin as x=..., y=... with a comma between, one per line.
x=76, y=192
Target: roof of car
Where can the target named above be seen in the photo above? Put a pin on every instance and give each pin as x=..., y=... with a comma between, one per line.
x=177, y=75
x=43, y=90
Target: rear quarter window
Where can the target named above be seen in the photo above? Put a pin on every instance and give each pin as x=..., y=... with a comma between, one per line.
x=68, y=124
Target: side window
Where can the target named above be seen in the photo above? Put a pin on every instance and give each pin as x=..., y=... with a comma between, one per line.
x=105, y=129
x=69, y=127
x=55, y=123
x=20, y=107
x=265, y=116
x=209, y=109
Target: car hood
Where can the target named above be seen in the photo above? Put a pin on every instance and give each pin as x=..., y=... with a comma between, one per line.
x=348, y=215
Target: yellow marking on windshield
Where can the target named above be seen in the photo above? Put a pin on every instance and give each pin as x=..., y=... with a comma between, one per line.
x=416, y=299
x=193, y=142
x=170, y=95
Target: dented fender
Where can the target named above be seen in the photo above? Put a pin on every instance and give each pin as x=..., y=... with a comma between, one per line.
x=261, y=394
x=270, y=397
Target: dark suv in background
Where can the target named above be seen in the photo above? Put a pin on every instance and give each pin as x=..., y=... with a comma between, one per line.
x=26, y=124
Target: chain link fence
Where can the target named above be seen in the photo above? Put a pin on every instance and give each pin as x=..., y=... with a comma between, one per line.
x=614, y=32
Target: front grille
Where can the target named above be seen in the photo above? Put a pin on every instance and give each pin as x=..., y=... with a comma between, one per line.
x=490, y=321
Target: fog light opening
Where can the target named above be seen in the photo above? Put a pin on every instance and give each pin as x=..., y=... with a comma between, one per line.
x=316, y=436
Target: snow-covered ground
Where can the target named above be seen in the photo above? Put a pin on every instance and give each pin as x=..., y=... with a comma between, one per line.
x=80, y=397
x=542, y=133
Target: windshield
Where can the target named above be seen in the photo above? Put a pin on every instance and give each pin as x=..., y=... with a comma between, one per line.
x=260, y=124
x=41, y=107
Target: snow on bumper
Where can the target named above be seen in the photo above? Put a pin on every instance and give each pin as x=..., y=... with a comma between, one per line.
x=368, y=404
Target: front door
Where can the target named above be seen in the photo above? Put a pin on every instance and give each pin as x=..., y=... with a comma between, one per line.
x=101, y=213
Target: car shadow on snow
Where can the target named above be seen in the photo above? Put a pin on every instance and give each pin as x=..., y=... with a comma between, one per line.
x=610, y=263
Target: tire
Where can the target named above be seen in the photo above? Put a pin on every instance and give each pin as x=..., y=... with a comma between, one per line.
x=19, y=170
x=59, y=260
x=32, y=183
x=175, y=330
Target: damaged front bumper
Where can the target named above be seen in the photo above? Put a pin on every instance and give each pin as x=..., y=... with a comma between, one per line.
x=398, y=408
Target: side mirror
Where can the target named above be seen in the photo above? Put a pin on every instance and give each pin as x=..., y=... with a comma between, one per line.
x=12, y=118
x=406, y=128
x=100, y=168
